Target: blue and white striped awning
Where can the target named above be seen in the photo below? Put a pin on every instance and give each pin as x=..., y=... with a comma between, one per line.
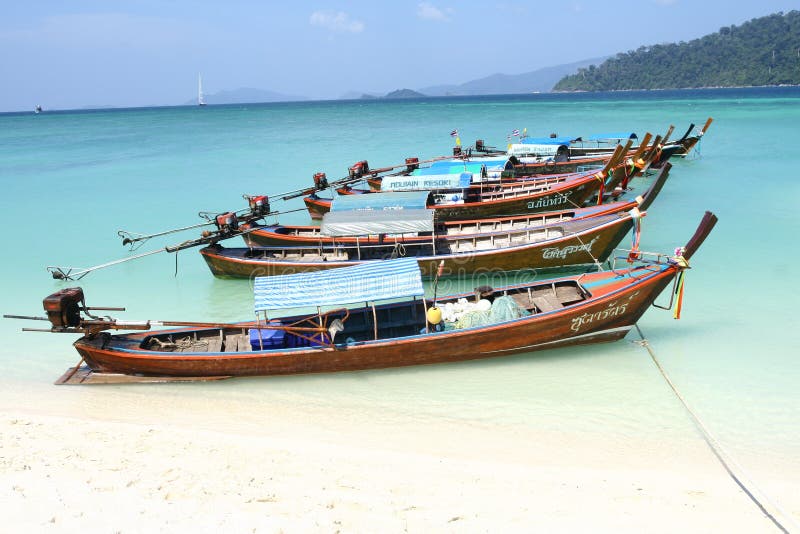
x=381, y=201
x=367, y=282
x=372, y=222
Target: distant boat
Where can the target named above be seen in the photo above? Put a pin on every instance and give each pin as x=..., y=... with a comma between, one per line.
x=200, y=101
x=37, y=109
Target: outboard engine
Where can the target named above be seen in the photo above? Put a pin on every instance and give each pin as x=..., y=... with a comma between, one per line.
x=359, y=169
x=412, y=164
x=227, y=222
x=479, y=145
x=259, y=205
x=320, y=181
x=456, y=150
x=64, y=308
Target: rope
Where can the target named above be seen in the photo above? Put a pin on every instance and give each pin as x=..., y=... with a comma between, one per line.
x=634, y=254
x=398, y=250
x=589, y=252
x=695, y=154
x=716, y=448
x=180, y=344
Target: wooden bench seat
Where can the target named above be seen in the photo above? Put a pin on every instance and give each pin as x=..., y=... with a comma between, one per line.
x=546, y=303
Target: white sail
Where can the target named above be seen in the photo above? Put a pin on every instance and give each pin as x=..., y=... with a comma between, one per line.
x=200, y=101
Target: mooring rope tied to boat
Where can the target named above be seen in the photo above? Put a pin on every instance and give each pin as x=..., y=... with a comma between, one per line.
x=726, y=460
x=587, y=249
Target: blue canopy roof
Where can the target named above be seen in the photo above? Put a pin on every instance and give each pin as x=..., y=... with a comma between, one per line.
x=614, y=135
x=381, y=201
x=450, y=168
x=546, y=140
x=481, y=160
x=366, y=282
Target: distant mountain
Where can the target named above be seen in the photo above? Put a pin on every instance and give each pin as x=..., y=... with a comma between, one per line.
x=399, y=93
x=246, y=95
x=762, y=51
x=541, y=80
x=404, y=93
x=355, y=95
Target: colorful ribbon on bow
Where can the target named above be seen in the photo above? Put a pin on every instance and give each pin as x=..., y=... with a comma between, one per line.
x=634, y=254
x=679, y=284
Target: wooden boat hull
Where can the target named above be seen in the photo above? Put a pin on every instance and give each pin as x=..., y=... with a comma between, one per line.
x=537, y=315
x=573, y=193
x=679, y=148
x=617, y=303
x=594, y=239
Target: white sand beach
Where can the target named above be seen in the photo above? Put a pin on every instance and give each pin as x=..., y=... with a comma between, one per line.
x=68, y=474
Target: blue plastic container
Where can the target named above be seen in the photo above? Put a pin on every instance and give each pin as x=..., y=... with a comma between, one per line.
x=269, y=338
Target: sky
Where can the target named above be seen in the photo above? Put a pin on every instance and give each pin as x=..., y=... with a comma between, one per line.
x=73, y=54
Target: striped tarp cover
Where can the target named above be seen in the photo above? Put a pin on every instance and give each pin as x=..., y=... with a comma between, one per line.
x=368, y=282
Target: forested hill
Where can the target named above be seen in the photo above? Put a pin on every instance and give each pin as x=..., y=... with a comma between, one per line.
x=763, y=51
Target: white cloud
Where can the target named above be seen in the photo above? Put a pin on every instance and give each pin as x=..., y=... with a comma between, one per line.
x=428, y=11
x=337, y=22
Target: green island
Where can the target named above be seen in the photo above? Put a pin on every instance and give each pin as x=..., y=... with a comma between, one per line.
x=762, y=51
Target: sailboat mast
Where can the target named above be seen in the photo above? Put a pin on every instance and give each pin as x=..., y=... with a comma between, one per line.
x=200, y=101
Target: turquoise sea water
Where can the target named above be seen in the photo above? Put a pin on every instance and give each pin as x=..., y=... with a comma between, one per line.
x=70, y=180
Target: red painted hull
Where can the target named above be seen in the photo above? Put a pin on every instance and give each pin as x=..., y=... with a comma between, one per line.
x=615, y=304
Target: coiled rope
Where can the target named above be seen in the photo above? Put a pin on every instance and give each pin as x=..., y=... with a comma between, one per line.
x=715, y=447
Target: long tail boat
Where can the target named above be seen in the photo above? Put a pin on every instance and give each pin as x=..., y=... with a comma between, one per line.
x=545, y=314
x=508, y=170
x=309, y=235
x=510, y=199
x=600, y=144
x=630, y=163
x=686, y=143
x=578, y=242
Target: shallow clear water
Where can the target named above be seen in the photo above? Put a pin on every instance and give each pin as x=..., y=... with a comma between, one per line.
x=71, y=180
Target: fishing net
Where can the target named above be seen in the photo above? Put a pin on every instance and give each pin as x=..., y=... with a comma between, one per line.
x=506, y=308
x=502, y=309
x=474, y=318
